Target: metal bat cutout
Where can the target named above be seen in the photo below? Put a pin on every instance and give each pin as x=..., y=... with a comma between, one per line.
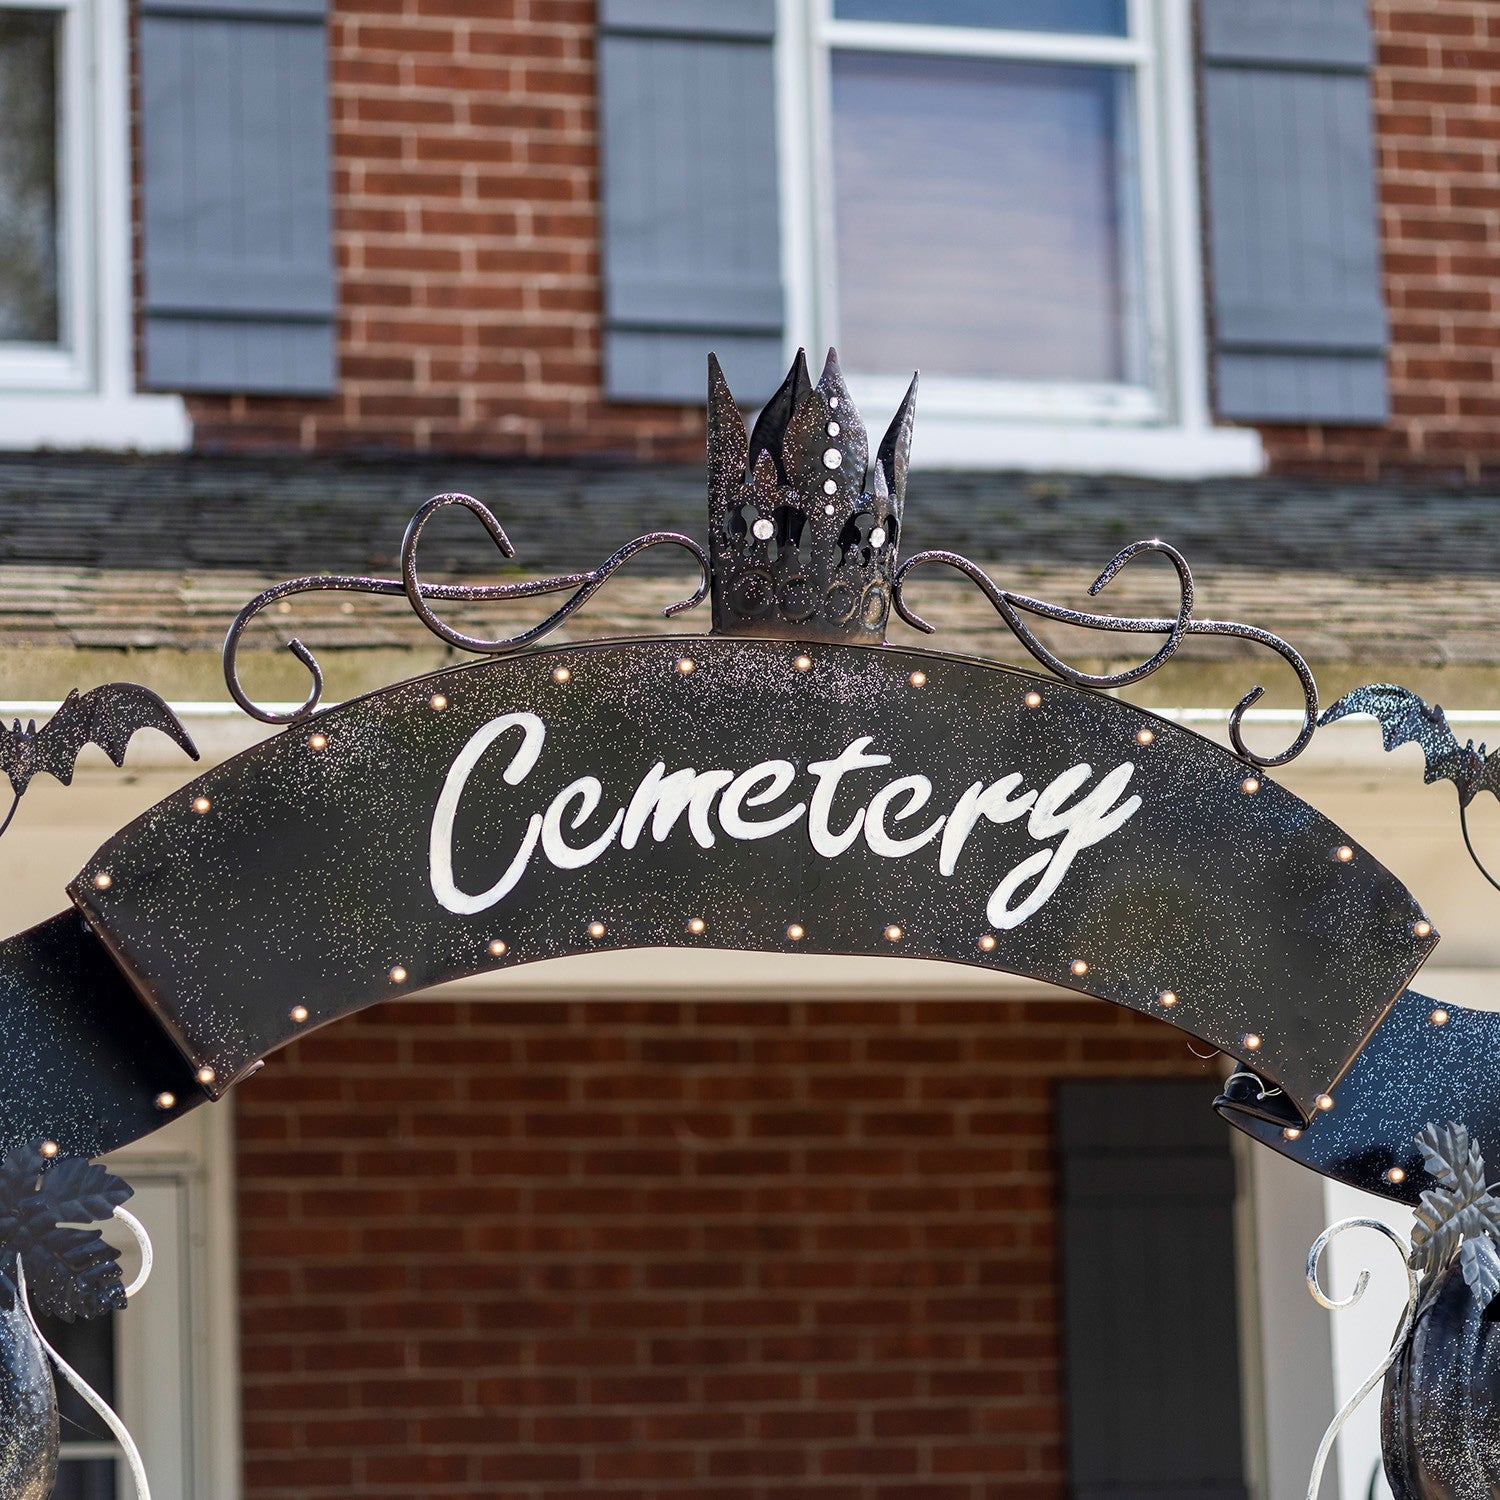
x=106, y=716
x=1406, y=719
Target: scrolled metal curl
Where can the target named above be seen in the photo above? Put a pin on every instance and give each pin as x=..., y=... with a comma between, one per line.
x=583, y=585
x=1010, y=605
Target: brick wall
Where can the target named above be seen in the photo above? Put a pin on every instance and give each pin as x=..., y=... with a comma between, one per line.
x=1437, y=107
x=466, y=233
x=664, y=1250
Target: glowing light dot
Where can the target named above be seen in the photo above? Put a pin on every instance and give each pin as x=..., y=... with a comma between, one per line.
x=1343, y=854
x=1144, y=736
x=1291, y=1133
x=596, y=929
x=1325, y=1102
x=298, y=1014
x=49, y=1149
x=764, y=529
x=283, y=608
x=1252, y=1042
x=795, y=932
x=1396, y=1174
x=498, y=948
x=803, y=664
x=103, y=880
x=918, y=679
x=1033, y=699
x=685, y=665
x=1080, y=968
x=1168, y=998
x=1250, y=786
x=1439, y=1017
x=832, y=458
x=398, y=975
x=438, y=701
x=1422, y=929
x=697, y=926
x=201, y=804
x=987, y=943
x=560, y=674
x=894, y=934
x=317, y=742
x=205, y=1075
x=166, y=1100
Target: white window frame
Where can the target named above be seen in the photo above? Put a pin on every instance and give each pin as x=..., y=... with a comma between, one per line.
x=81, y=393
x=1163, y=427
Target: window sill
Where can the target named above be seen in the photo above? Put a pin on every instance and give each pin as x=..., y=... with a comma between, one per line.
x=942, y=441
x=145, y=424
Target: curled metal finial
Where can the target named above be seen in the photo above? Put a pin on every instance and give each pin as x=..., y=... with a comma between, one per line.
x=1011, y=606
x=583, y=586
x=1334, y=1305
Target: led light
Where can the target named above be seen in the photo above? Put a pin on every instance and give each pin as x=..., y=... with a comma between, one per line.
x=103, y=880
x=1396, y=1174
x=1439, y=1017
x=1168, y=998
x=1252, y=1042
x=685, y=665
x=1080, y=968
x=205, y=1075
x=893, y=934
x=398, y=975
x=1292, y=1133
x=317, y=742
x=1422, y=929
x=1325, y=1102
x=49, y=1149
x=1144, y=736
x=697, y=926
x=166, y=1100
x=795, y=932
x=498, y=948
x=987, y=943
x=803, y=664
x=1033, y=699
x=560, y=674
x=298, y=1013
x=438, y=702
x=1250, y=786
x=918, y=679
x=596, y=929
x=1343, y=854
x=201, y=804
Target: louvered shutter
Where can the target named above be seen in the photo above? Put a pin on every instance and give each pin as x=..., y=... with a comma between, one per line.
x=239, y=286
x=1149, y=1300
x=1299, y=323
x=692, y=242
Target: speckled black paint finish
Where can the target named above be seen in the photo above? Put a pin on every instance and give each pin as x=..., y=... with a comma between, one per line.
x=306, y=882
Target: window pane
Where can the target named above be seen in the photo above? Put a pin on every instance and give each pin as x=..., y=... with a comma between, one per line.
x=985, y=218
x=86, y=1479
x=89, y=1346
x=1096, y=17
x=29, y=41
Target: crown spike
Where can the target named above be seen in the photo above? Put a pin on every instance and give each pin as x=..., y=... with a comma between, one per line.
x=895, y=447
x=770, y=426
x=728, y=453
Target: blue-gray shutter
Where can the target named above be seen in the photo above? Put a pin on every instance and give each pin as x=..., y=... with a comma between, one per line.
x=692, y=240
x=1150, y=1312
x=239, y=284
x=1299, y=322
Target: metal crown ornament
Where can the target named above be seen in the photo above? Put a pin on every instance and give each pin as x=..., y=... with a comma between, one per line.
x=799, y=548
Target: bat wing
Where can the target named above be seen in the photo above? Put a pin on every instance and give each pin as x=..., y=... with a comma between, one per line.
x=1405, y=719
x=105, y=716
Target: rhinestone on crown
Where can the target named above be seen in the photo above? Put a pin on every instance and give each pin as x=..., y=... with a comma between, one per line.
x=800, y=549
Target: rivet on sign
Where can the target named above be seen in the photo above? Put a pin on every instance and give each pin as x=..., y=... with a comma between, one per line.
x=498, y=948
x=803, y=664
x=1252, y=1042
x=438, y=701
x=560, y=674
x=1292, y=1133
x=1144, y=736
x=1080, y=968
x=1343, y=854
x=201, y=804
x=795, y=932
x=205, y=1075
x=317, y=742
x=1422, y=929
x=893, y=934
x=166, y=1100
x=918, y=679
x=398, y=975
x=1396, y=1174
x=1250, y=786
x=987, y=943
x=685, y=665
x=49, y=1149
x=1168, y=998
x=596, y=929
x=1033, y=699
x=298, y=1013
x=696, y=926
x=103, y=880
x=1325, y=1102
x=1439, y=1017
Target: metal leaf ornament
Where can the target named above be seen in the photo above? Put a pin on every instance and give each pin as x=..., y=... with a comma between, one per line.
x=1440, y=1410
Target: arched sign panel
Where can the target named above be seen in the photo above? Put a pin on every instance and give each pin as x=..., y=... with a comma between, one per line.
x=750, y=794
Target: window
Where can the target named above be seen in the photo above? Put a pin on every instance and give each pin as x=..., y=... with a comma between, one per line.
x=1002, y=193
